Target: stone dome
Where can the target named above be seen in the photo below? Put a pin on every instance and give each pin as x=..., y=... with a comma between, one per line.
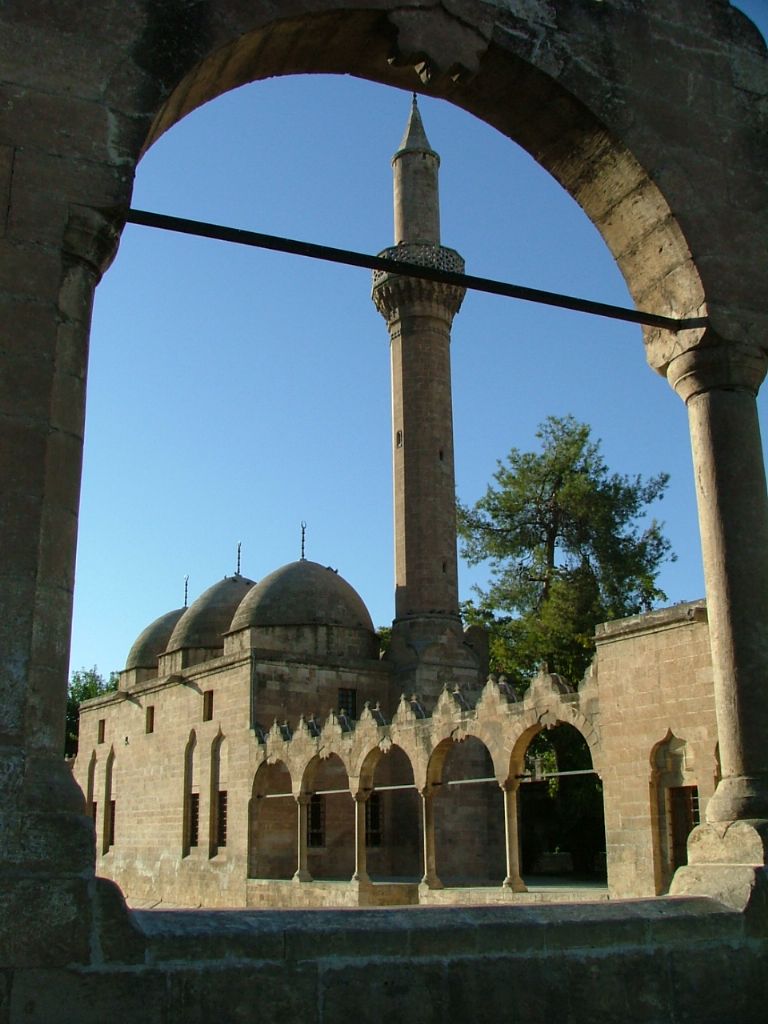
x=300, y=594
x=152, y=641
x=207, y=619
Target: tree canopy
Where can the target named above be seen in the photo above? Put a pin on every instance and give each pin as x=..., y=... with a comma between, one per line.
x=566, y=547
x=85, y=683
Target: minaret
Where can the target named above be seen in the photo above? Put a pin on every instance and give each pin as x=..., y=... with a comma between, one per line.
x=419, y=315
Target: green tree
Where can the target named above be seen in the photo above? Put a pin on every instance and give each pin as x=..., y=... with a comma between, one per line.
x=566, y=550
x=85, y=683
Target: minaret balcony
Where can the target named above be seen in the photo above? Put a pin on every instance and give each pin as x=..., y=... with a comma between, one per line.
x=422, y=255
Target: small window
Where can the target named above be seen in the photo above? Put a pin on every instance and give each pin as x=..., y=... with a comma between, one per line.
x=399, y=439
x=373, y=820
x=221, y=819
x=102, y=730
x=445, y=566
x=684, y=817
x=149, y=718
x=111, y=825
x=348, y=702
x=316, y=821
x=208, y=705
x=441, y=455
x=194, y=820
x=94, y=811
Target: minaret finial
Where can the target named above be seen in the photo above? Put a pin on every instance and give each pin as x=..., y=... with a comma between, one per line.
x=186, y=589
x=303, y=537
x=239, y=546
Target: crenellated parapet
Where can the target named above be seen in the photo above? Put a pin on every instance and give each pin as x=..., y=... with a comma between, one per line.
x=502, y=722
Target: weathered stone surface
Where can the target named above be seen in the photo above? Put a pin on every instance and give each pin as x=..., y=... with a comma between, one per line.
x=653, y=115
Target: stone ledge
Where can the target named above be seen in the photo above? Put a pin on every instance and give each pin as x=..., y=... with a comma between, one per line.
x=198, y=936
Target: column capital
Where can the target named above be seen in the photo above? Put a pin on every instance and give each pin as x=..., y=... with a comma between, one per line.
x=717, y=366
x=92, y=236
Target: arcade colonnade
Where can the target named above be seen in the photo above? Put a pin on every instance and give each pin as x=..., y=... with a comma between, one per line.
x=418, y=747
x=651, y=116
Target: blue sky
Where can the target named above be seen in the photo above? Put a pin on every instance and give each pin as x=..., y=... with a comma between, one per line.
x=234, y=393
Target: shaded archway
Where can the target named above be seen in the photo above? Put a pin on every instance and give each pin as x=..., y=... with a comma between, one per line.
x=330, y=831
x=562, y=826
x=272, y=824
x=393, y=832
x=468, y=814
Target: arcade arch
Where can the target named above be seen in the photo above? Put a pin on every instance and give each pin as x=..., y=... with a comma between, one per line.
x=272, y=824
x=562, y=823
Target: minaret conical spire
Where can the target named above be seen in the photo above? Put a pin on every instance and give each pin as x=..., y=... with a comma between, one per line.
x=415, y=138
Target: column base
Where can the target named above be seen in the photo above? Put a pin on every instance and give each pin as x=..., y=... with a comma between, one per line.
x=302, y=875
x=741, y=797
x=727, y=862
x=516, y=884
x=430, y=882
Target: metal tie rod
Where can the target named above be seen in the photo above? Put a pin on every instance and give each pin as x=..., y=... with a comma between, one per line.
x=358, y=259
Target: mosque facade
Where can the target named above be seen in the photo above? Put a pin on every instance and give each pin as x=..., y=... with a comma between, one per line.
x=261, y=749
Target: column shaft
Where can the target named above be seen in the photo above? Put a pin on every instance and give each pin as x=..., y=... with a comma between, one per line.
x=302, y=814
x=361, y=871
x=733, y=518
x=430, y=878
x=513, y=880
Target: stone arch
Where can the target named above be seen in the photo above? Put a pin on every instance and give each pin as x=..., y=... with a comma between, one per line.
x=393, y=816
x=90, y=793
x=606, y=153
x=109, y=812
x=330, y=818
x=674, y=794
x=553, y=714
x=567, y=122
x=190, y=799
x=562, y=817
x=218, y=795
x=469, y=837
x=272, y=823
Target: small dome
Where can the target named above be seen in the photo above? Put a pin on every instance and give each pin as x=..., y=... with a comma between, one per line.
x=152, y=641
x=207, y=619
x=303, y=593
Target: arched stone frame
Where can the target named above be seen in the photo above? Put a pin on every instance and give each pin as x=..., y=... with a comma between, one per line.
x=401, y=827
x=90, y=793
x=216, y=830
x=551, y=715
x=108, y=804
x=188, y=811
x=67, y=191
x=282, y=828
x=670, y=774
x=453, y=808
x=334, y=855
x=536, y=718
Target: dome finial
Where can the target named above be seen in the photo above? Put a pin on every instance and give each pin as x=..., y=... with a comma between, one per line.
x=186, y=590
x=303, y=537
x=239, y=546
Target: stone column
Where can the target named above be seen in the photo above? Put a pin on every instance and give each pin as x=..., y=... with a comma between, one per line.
x=302, y=816
x=361, y=869
x=719, y=385
x=430, y=879
x=513, y=880
x=46, y=839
